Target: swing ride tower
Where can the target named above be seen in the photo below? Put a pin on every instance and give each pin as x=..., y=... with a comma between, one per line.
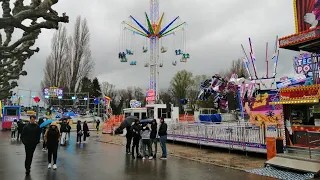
x=153, y=33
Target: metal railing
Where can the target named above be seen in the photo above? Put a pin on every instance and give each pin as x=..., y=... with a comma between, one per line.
x=242, y=135
x=313, y=139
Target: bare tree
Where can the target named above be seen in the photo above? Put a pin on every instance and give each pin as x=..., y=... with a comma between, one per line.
x=56, y=63
x=14, y=54
x=237, y=67
x=108, y=89
x=81, y=63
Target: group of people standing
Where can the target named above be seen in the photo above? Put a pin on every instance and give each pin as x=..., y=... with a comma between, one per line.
x=148, y=136
x=52, y=135
x=16, y=129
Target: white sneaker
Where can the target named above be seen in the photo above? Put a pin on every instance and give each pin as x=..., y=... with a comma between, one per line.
x=150, y=157
x=49, y=166
x=77, y=142
x=84, y=142
x=143, y=158
x=44, y=150
x=54, y=167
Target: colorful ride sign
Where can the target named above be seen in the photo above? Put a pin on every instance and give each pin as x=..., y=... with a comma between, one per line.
x=150, y=97
x=303, y=63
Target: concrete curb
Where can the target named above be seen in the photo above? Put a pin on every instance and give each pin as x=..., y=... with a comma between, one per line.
x=182, y=157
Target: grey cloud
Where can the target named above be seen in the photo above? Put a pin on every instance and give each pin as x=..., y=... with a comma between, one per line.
x=216, y=29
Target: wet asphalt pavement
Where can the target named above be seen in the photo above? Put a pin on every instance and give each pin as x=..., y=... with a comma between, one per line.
x=97, y=161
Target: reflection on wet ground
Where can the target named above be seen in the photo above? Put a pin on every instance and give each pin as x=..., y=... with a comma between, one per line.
x=96, y=160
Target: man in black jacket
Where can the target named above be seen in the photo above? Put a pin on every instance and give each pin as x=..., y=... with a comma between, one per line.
x=129, y=139
x=153, y=137
x=136, y=128
x=30, y=138
x=163, y=138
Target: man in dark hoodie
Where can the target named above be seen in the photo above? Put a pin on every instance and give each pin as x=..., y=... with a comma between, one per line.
x=163, y=138
x=30, y=138
x=153, y=137
x=136, y=137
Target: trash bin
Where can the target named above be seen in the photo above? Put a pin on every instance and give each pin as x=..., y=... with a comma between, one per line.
x=279, y=145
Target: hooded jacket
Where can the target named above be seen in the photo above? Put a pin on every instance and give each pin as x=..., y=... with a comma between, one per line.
x=163, y=129
x=136, y=130
x=145, y=132
x=154, y=129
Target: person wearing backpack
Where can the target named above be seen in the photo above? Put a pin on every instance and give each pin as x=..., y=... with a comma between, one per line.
x=14, y=127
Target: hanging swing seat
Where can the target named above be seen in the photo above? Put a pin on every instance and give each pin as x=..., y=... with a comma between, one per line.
x=144, y=49
x=146, y=65
x=186, y=55
x=183, y=59
x=123, y=60
x=129, y=52
x=133, y=63
x=174, y=63
x=161, y=64
x=178, y=52
x=163, y=49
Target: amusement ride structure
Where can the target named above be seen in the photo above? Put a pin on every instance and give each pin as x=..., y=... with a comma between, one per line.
x=153, y=31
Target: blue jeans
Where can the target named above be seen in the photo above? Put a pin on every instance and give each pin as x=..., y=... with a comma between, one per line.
x=163, y=141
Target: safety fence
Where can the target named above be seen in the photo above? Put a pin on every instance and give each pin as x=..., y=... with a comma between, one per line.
x=241, y=136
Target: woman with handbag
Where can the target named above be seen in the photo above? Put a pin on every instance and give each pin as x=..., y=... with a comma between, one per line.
x=79, y=132
x=85, y=131
x=51, y=138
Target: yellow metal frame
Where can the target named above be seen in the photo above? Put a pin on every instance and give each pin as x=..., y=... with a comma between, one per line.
x=295, y=15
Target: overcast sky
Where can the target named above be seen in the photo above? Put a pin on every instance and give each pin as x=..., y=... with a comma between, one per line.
x=216, y=30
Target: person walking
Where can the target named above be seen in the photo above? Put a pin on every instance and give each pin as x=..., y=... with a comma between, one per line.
x=20, y=128
x=64, y=131
x=85, y=131
x=14, y=128
x=145, y=136
x=98, y=124
x=136, y=138
x=163, y=138
x=40, y=121
x=129, y=139
x=30, y=137
x=79, y=132
x=52, y=137
x=69, y=128
x=44, y=145
x=153, y=138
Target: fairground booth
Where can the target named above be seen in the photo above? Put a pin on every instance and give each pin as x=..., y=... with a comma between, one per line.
x=300, y=95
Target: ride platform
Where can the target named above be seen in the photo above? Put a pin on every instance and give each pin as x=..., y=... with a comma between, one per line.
x=297, y=159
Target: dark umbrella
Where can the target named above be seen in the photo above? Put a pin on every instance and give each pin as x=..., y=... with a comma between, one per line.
x=126, y=123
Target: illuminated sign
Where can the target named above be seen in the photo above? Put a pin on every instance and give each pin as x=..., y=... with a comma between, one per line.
x=150, y=95
x=303, y=63
x=52, y=92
